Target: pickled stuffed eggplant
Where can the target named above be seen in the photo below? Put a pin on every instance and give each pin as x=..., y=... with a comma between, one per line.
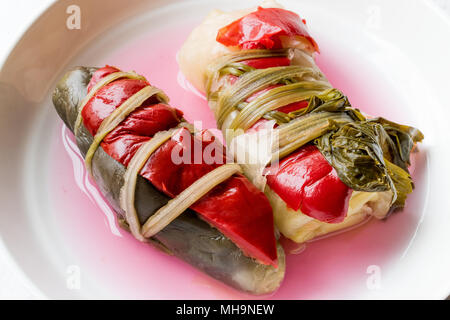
x=227, y=231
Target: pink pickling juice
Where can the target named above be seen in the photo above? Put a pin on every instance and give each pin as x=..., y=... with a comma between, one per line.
x=113, y=260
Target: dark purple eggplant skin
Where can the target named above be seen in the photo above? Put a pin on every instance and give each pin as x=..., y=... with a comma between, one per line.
x=187, y=237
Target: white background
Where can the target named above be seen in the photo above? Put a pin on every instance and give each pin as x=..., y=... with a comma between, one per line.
x=15, y=17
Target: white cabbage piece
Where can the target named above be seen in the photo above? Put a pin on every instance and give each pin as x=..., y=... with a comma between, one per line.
x=300, y=228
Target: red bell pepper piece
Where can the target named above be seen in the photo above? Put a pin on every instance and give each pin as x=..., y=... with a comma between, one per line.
x=235, y=207
x=100, y=73
x=306, y=181
x=294, y=106
x=264, y=63
x=262, y=30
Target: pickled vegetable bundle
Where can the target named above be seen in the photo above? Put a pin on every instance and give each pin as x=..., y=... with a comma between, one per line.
x=205, y=213
x=327, y=165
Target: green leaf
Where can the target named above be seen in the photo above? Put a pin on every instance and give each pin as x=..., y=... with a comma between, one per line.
x=363, y=154
x=402, y=140
x=354, y=152
x=402, y=182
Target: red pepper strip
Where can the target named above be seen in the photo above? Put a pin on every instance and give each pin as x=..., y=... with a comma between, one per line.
x=306, y=181
x=294, y=106
x=262, y=30
x=261, y=63
x=264, y=63
x=106, y=101
x=100, y=73
x=235, y=207
x=123, y=142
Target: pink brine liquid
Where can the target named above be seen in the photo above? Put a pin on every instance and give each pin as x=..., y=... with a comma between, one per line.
x=126, y=268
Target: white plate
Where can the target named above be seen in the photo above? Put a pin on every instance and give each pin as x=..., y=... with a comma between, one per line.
x=391, y=59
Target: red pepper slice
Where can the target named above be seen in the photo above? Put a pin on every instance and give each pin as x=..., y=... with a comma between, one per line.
x=262, y=30
x=138, y=127
x=106, y=100
x=264, y=63
x=293, y=106
x=306, y=181
x=235, y=207
x=100, y=73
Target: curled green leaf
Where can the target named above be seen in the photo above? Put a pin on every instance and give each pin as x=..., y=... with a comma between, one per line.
x=363, y=154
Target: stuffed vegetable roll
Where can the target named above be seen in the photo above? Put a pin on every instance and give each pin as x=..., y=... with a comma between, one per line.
x=326, y=165
x=205, y=213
